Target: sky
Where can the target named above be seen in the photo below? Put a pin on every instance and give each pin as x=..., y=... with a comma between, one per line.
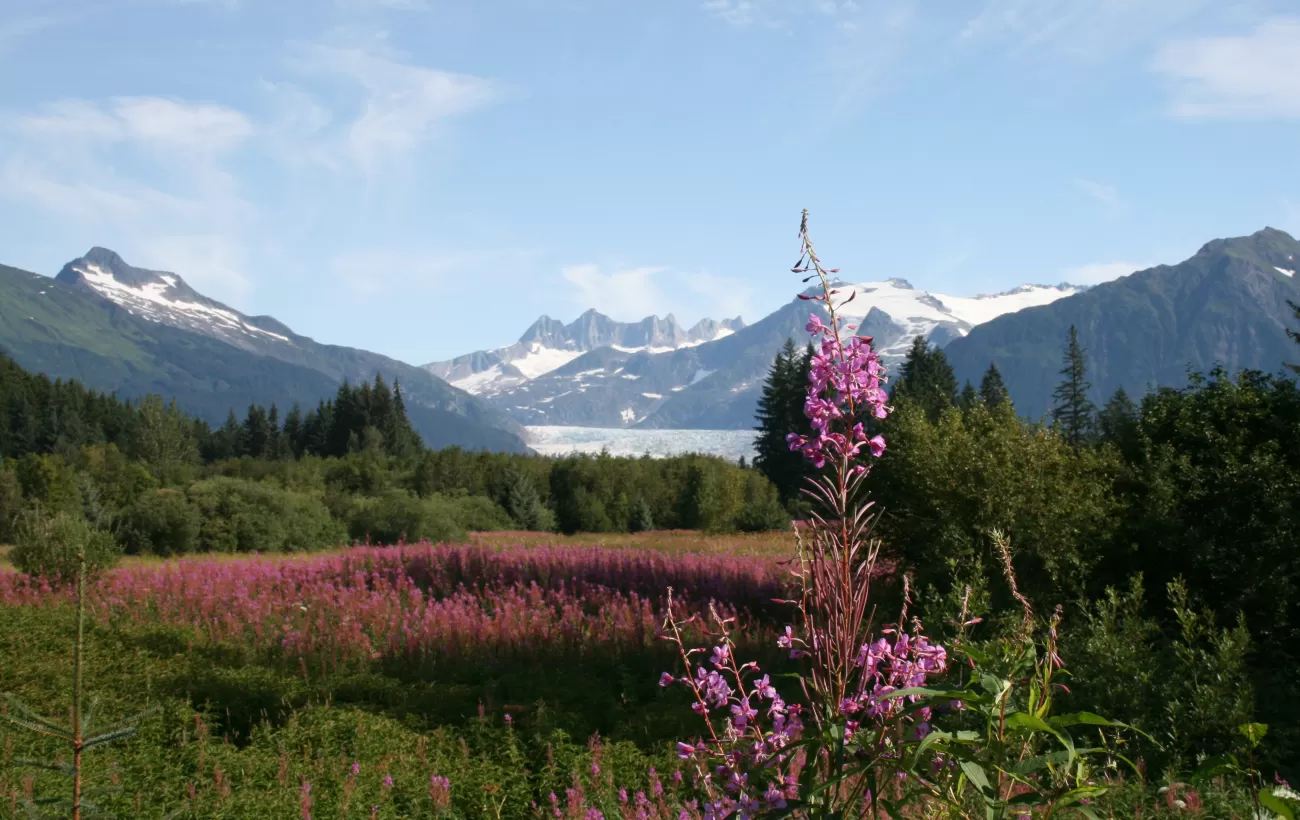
x=424, y=178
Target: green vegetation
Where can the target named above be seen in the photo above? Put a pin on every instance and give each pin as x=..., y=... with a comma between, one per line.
x=1166, y=527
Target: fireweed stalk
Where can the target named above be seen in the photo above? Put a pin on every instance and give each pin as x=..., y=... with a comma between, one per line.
x=758, y=755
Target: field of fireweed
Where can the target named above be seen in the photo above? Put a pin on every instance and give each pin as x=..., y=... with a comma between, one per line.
x=328, y=686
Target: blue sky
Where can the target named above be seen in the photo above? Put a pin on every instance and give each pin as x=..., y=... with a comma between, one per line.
x=425, y=178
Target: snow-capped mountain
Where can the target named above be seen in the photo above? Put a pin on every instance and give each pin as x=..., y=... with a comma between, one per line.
x=894, y=312
x=583, y=375
x=550, y=344
x=160, y=296
x=441, y=413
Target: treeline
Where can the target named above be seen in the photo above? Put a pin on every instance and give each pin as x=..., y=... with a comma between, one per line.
x=1167, y=525
x=352, y=468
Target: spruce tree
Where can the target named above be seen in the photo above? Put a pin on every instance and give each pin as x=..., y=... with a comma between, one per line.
x=969, y=398
x=926, y=379
x=1073, y=410
x=292, y=434
x=1117, y=423
x=992, y=389
x=256, y=434
x=780, y=412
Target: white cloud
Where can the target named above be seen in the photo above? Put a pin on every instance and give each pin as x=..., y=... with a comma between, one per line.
x=402, y=104
x=629, y=294
x=1077, y=28
x=209, y=263
x=1099, y=272
x=202, y=128
x=1251, y=75
x=144, y=175
x=1101, y=192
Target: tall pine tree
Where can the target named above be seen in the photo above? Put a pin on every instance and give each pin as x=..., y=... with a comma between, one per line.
x=780, y=412
x=926, y=379
x=1073, y=410
x=992, y=389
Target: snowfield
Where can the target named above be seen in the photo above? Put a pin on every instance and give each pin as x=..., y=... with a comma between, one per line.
x=558, y=441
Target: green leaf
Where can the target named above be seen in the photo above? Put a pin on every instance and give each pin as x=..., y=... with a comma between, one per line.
x=1254, y=732
x=975, y=774
x=1275, y=804
x=1033, y=764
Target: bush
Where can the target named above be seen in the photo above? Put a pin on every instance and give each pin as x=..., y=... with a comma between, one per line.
x=398, y=515
x=243, y=516
x=477, y=513
x=162, y=522
x=762, y=515
x=49, y=545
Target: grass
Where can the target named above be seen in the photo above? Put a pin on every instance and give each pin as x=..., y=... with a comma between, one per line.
x=673, y=542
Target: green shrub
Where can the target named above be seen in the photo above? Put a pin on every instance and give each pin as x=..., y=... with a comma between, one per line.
x=48, y=544
x=399, y=515
x=243, y=516
x=162, y=522
x=762, y=515
x=477, y=513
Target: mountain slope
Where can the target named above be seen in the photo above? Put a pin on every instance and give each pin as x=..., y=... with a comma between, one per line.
x=69, y=330
x=1225, y=305
x=716, y=384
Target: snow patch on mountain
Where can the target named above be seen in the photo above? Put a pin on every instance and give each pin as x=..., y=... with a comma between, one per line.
x=549, y=345
x=1284, y=271
x=159, y=302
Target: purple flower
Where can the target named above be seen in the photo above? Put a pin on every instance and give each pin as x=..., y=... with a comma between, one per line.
x=356, y=768
x=685, y=750
x=666, y=679
x=388, y=781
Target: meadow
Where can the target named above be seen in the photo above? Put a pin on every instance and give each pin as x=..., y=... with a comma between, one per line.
x=343, y=684
x=510, y=676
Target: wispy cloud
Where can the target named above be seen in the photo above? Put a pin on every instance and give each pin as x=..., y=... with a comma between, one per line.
x=776, y=13
x=146, y=173
x=402, y=105
x=1249, y=75
x=1105, y=194
x=1076, y=28
x=629, y=294
x=1098, y=272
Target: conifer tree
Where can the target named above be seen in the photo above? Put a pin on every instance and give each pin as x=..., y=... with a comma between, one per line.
x=926, y=379
x=256, y=434
x=1073, y=410
x=992, y=389
x=292, y=434
x=969, y=398
x=1117, y=423
x=780, y=412
x=522, y=501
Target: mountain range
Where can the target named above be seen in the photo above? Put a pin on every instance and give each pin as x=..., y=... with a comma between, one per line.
x=134, y=331
x=599, y=373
